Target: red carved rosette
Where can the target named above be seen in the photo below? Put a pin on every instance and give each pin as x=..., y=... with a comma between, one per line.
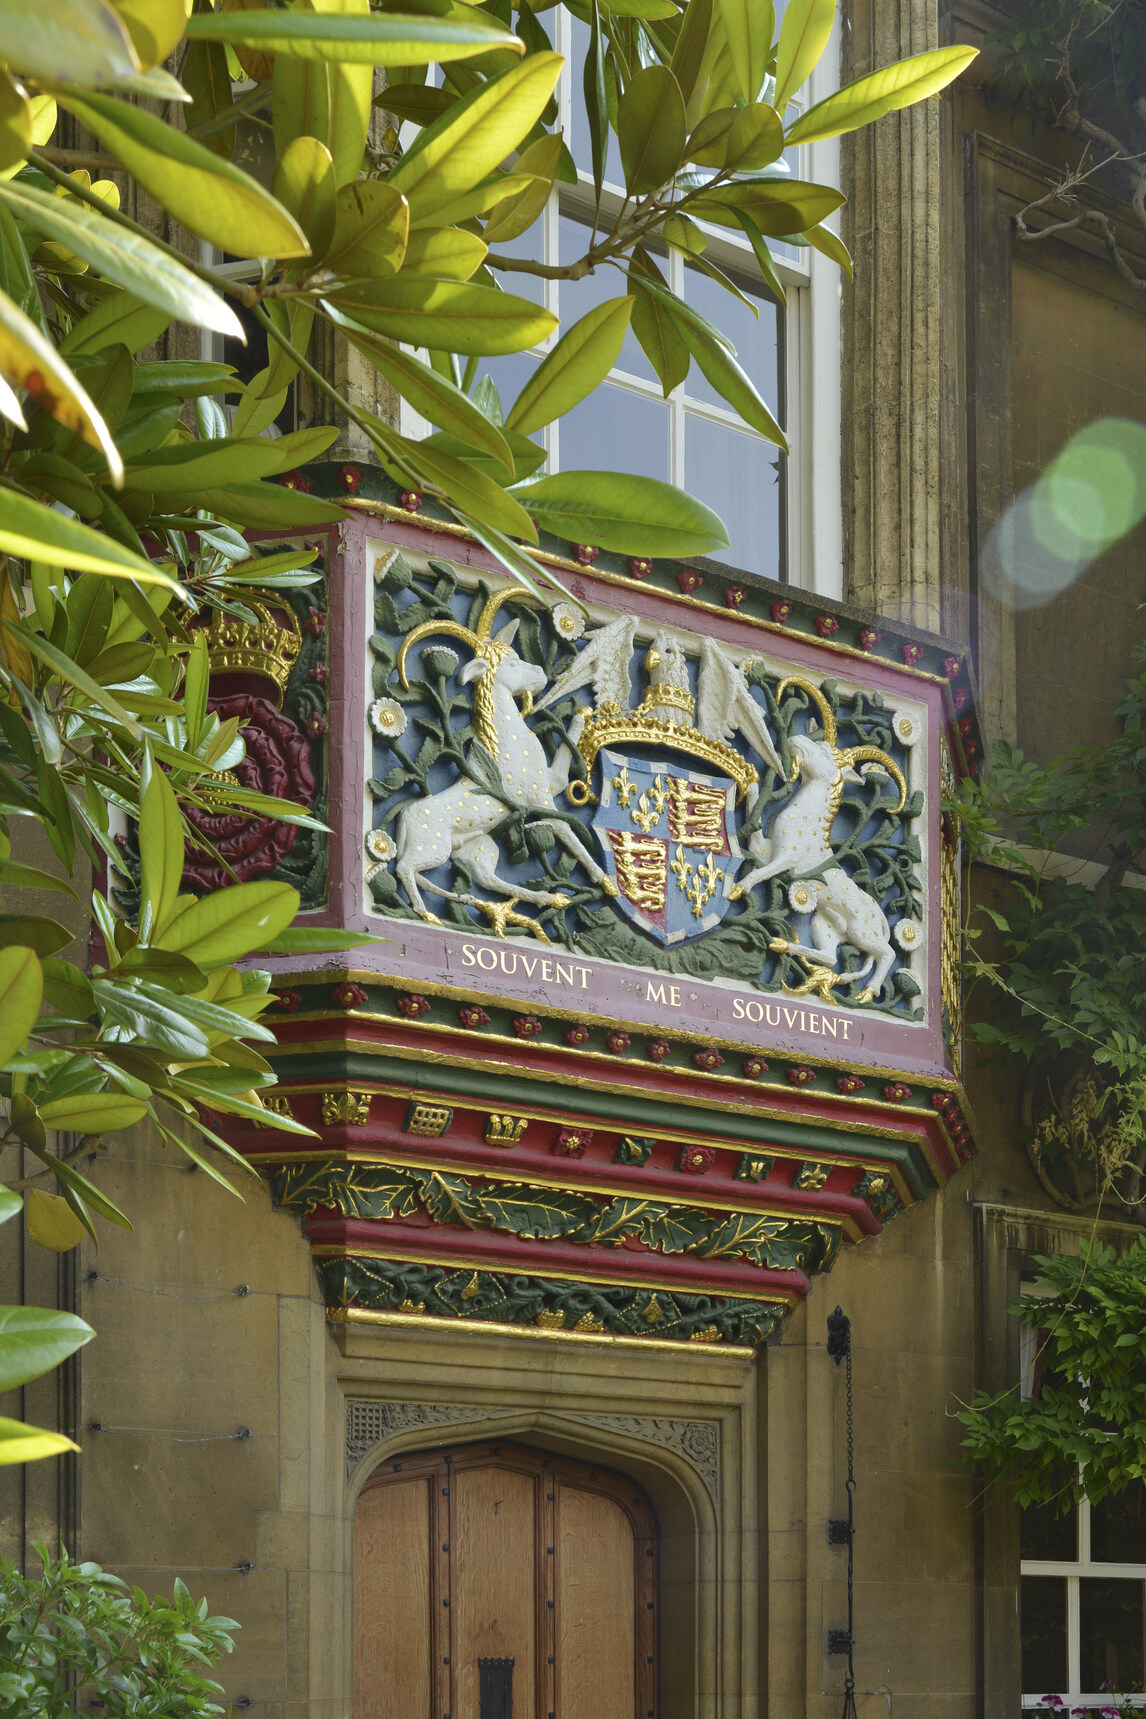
x=658, y=1050
x=709, y=1060
x=952, y=667
x=348, y=995
x=571, y=1142
x=412, y=1007
x=277, y=762
x=576, y=1036
x=618, y=1043
x=912, y=654
x=527, y=1026
x=696, y=1160
x=825, y=625
x=801, y=1076
x=288, y=1001
x=585, y=554
x=689, y=580
x=470, y=1015
x=754, y=1067
x=896, y=1092
x=734, y=596
x=869, y=638
x=780, y=613
x=640, y=566
x=849, y=1084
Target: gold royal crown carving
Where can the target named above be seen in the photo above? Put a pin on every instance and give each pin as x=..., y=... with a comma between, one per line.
x=268, y=647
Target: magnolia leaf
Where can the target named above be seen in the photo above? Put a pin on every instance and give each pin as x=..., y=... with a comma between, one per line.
x=161, y=839
x=382, y=39
x=21, y=991
x=10, y=406
x=691, y=41
x=317, y=940
x=434, y=397
x=822, y=239
x=92, y=1112
x=652, y=10
x=230, y=924
x=444, y=253
x=658, y=334
x=372, y=224
x=70, y=41
x=651, y=129
x=10, y=1204
x=22, y=1443
x=581, y=359
x=748, y=26
x=515, y=215
x=155, y=27
x=457, y=152
x=69, y=671
x=451, y=316
x=777, y=206
x=631, y=515
x=123, y=257
x=52, y=1224
x=253, y=506
x=207, y=79
x=120, y=319
x=214, y=199
x=881, y=92
x=804, y=34
x=467, y=488
x=755, y=139
x=15, y=124
x=32, y=363
x=304, y=184
x=33, y=1340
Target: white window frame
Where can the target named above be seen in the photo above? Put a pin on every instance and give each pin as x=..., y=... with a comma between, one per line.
x=1075, y=1570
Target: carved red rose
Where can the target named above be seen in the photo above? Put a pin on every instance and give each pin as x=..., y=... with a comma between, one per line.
x=709, y=1060
x=640, y=566
x=288, y=1001
x=943, y=1101
x=801, y=1076
x=412, y=1007
x=825, y=625
x=896, y=1092
x=780, y=612
x=912, y=654
x=350, y=477
x=277, y=762
x=585, y=553
x=348, y=995
x=571, y=1142
x=411, y=500
x=734, y=596
x=869, y=638
x=472, y=1016
x=849, y=1083
x=754, y=1067
x=952, y=667
x=526, y=1026
x=658, y=1050
x=696, y=1160
x=576, y=1036
x=618, y=1042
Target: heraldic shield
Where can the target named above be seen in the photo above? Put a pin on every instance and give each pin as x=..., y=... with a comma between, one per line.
x=669, y=844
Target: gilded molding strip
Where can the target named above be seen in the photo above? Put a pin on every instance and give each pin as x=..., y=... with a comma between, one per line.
x=496, y=1328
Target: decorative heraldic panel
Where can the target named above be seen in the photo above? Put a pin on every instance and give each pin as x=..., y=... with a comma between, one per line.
x=663, y=1008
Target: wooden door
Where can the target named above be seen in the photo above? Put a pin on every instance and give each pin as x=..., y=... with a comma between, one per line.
x=498, y=1582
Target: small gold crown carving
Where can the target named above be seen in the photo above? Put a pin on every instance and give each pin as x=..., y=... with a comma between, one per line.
x=676, y=697
x=269, y=647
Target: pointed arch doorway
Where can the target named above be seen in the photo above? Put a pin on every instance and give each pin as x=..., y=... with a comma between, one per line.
x=495, y=1581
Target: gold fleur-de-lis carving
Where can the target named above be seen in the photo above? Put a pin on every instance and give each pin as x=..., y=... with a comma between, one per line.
x=681, y=867
x=703, y=886
x=658, y=794
x=625, y=788
x=645, y=815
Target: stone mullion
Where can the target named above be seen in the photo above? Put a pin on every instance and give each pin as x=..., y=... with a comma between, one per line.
x=892, y=329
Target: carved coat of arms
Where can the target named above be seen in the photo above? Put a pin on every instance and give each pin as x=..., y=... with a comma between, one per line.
x=645, y=800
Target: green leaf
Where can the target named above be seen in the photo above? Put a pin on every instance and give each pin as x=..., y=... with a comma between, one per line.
x=515, y=215
x=457, y=152
x=467, y=488
x=581, y=359
x=763, y=256
x=822, y=239
x=659, y=335
x=453, y=316
x=777, y=206
x=208, y=195
x=22, y=1443
x=755, y=139
x=189, y=467
x=434, y=397
x=304, y=184
x=748, y=25
x=631, y=515
x=33, y=931
x=383, y=39
x=31, y=877
x=32, y=363
x=254, y=506
x=230, y=924
x=651, y=130
x=804, y=35
x=52, y=1224
x=651, y=10
x=160, y=850
x=73, y=675
x=692, y=39
x=527, y=455
x=132, y=262
x=444, y=253
x=33, y=1340
x=15, y=124
x=596, y=104
x=317, y=940
x=21, y=991
x=120, y=319
x=72, y=41
x=372, y=225
x=38, y=533
x=11, y=1205
x=206, y=77
x=868, y=99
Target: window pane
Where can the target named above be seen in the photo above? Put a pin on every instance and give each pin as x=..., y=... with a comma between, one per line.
x=1111, y=1628
x=738, y=476
x=756, y=339
x=1049, y=1534
x=616, y=431
x=1118, y=1528
x=579, y=297
x=1044, y=1633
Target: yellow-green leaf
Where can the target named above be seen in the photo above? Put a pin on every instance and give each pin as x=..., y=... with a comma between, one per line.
x=372, y=222
x=15, y=123
x=52, y=1224
x=434, y=397
x=304, y=184
x=804, y=35
x=155, y=27
x=207, y=79
x=126, y=258
x=748, y=25
x=448, y=316
x=443, y=253
x=120, y=319
x=68, y=41
x=21, y=990
x=458, y=151
x=230, y=924
x=829, y=244
x=32, y=363
x=160, y=850
x=581, y=359
x=33, y=1340
x=22, y=1443
x=755, y=139
x=651, y=129
x=93, y=1112
x=868, y=99
x=210, y=196
x=38, y=533
x=631, y=515
x=777, y=206
x=255, y=506
x=515, y=215
x=469, y=490
x=383, y=39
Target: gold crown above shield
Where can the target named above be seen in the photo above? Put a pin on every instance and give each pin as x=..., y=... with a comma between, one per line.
x=609, y=725
x=269, y=646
